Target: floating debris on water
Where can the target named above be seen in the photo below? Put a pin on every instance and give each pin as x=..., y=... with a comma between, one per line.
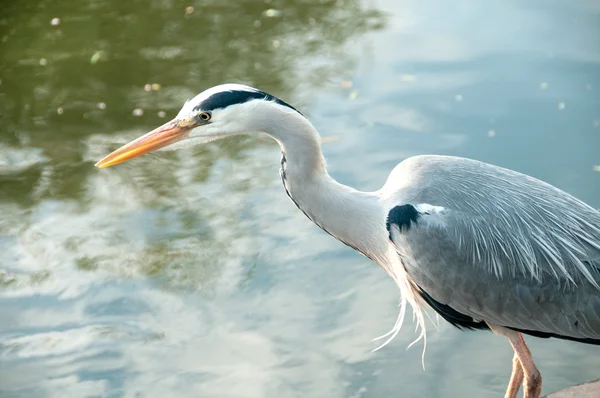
x=353, y=95
x=59, y=111
x=331, y=138
x=596, y=168
x=346, y=84
x=408, y=78
x=561, y=105
x=101, y=105
x=491, y=133
x=138, y=112
x=272, y=13
x=162, y=114
x=189, y=10
x=55, y=21
x=152, y=87
x=257, y=23
x=96, y=57
x=543, y=85
x=43, y=62
x=458, y=97
x=276, y=43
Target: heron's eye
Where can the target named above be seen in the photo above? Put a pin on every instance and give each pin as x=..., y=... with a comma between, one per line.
x=203, y=116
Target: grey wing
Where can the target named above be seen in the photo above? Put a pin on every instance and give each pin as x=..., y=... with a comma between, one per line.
x=527, y=259
x=461, y=267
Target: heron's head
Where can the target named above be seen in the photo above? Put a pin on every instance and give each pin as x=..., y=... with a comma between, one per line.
x=218, y=112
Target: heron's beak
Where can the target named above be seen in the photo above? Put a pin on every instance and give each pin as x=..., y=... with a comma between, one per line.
x=167, y=134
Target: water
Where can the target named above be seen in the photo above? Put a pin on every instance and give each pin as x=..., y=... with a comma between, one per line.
x=191, y=273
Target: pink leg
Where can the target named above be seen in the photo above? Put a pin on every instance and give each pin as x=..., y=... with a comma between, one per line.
x=516, y=379
x=532, y=386
x=527, y=371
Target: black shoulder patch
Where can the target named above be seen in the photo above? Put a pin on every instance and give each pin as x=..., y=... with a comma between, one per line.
x=403, y=217
x=224, y=99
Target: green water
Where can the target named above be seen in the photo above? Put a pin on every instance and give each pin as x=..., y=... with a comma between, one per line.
x=190, y=273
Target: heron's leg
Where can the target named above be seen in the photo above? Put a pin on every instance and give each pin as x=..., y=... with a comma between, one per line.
x=528, y=370
x=532, y=386
x=516, y=378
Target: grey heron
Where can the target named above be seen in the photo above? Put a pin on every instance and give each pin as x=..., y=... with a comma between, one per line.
x=484, y=246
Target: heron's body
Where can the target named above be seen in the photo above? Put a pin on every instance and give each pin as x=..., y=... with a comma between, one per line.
x=492, y=245
x=486, y=247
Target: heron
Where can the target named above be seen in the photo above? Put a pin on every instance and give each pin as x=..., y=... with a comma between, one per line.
x=487, y=248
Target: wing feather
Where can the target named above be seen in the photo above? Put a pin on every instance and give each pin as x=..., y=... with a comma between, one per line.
x=502, y=247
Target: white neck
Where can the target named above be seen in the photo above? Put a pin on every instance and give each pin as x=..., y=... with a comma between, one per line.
x=354, y=217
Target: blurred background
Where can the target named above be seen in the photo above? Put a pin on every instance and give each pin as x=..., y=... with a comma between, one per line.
x=190, y=273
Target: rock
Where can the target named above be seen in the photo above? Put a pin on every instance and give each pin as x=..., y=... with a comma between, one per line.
x=585, y=390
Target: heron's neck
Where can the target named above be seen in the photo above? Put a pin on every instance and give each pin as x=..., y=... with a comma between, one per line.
x=354, y=217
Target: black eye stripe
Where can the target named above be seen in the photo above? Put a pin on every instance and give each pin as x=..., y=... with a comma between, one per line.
x=224, y=99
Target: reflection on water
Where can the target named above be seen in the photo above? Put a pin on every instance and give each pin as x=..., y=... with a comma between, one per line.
x=190, y=273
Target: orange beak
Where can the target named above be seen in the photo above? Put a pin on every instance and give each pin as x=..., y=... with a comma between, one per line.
x=167, y=134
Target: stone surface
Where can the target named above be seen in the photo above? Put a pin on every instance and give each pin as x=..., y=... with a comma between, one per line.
x=585, y=390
